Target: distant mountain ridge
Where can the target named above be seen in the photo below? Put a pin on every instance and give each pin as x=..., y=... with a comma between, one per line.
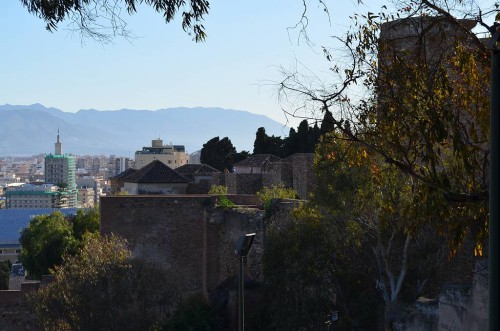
x=29, y=130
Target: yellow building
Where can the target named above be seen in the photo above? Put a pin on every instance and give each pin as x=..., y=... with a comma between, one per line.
x=172, y=155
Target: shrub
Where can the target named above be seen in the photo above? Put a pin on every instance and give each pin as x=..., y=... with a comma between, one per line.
x=195, y=314
x=4, y=274
x=275, y=192
x=224, y=202
x=218, y=189
x=103, y=288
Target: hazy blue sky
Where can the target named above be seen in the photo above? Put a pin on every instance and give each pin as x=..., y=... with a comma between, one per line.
x=235, y=68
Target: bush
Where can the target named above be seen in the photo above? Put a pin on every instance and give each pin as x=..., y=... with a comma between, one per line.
x=218, y=189
x=275, y=192
x=195, y=314
x=4, y=274
x=225, y=203
x=103, y=288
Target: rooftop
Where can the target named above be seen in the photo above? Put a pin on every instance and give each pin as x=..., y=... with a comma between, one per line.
x=189, y=170
x=124, y=174
x=258, y=160
x=13, y=221
x=155, y=172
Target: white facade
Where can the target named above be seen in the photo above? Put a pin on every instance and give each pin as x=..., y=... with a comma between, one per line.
x=154, y=188
x=8, y=178
x=86, y=197
x=34, y=196
x=171, y=155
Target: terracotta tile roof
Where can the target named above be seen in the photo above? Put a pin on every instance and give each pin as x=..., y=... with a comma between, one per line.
x=258, y=160
x=124, y=174
x=156, y=172
x=191, y=170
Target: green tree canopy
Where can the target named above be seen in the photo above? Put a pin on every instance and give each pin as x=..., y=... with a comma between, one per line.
x=220, y=154
x=44, y=242
x=313, y=266
x=48, y=237
x=303, y=140
x=87, y=221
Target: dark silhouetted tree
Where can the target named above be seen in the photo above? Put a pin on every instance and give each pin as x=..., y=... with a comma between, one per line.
x=219, y=153
x=260, y=144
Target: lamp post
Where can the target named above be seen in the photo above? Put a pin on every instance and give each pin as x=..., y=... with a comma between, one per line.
x=494, y=176
x=242, y=247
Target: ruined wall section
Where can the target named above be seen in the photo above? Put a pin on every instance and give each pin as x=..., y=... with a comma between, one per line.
x=460, y=307
x=218, y=178
x=278, y=173
x=165, y=230
x=303, y=176
x=231, y=224
x=465, y=307
x=201, y=186
x=243, y=183
x=187, y=236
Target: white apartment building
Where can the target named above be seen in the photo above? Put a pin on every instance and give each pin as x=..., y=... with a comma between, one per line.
x=172, y=155
x=35, y=196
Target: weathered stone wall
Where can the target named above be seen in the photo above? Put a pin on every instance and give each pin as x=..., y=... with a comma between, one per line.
x=465, y=307
x=294, y=172
x=169, y=231
x=303, y=177
x=187, y=236
x=15, y=282
x=219, y=178
x=460, y=307
x=276, y=173
x=243, y=183
x=193, y=241
x=244, y=199
x=281, y=211
x=423, y=317
x=201, y=186
x=15, y=313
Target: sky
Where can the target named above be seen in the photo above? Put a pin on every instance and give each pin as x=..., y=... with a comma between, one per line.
x=237, y=67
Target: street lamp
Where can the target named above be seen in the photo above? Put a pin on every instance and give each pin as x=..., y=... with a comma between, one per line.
x=242, y=247
x=494, y=176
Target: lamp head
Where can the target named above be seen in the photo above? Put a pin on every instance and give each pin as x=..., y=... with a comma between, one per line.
x=243, y=244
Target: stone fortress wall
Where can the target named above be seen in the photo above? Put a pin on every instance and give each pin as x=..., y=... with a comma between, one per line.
x=194, y=243
x=186, y=236
x=294, y=172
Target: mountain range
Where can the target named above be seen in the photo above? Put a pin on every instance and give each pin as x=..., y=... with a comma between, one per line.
x=29, y=130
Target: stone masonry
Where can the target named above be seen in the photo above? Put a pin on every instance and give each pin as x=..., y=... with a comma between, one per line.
x=186, y=236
